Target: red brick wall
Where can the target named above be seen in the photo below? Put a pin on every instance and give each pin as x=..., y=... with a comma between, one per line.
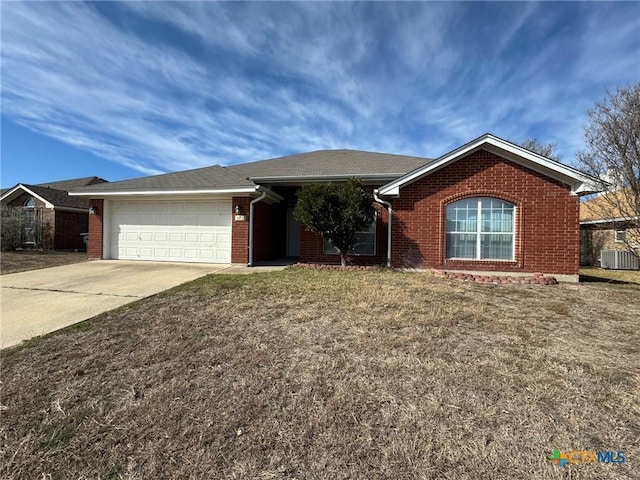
x=68, y=227
x=547, y=227
x=94, y=249
x=264, y=232
x=240, y=232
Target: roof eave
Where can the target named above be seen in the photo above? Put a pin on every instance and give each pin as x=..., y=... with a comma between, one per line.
x=72, y=209
x=10, y=192
x=609, y=220
x=297, y=179
x=154, y=192
x=270, y=194
x=580, y=183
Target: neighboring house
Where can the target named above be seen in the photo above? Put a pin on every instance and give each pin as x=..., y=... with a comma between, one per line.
x=53, y=218
x=607, y=222
x=489, y=205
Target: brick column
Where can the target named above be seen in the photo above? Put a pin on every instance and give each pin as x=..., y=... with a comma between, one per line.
x=94, y=249
x=240, y=231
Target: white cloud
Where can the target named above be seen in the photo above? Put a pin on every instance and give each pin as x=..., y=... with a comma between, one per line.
x=235, y=82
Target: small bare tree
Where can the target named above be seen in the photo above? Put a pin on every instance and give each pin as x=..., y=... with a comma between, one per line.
x=545, y=149
x=11, y=227
x=20, y=228
x=612, y=154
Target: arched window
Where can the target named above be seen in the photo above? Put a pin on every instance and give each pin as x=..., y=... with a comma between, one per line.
x=481, y=228
x=29, y=203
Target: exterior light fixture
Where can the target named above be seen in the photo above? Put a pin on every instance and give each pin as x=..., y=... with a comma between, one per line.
x=93, y=210
x=238, y=210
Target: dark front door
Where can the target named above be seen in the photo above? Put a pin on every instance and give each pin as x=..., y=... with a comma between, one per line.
x=293, y=235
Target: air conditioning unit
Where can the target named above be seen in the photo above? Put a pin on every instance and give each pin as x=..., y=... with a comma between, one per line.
x=619, y=260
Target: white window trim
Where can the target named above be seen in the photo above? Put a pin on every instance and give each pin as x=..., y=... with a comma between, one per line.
x=479, y=234
x=615, y=236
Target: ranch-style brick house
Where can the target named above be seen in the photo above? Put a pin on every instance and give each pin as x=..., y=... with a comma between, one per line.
x=53, y=219
x=488, y=205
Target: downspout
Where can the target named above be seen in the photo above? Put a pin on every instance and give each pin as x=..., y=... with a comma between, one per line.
x=390, y=210
x=254, y=201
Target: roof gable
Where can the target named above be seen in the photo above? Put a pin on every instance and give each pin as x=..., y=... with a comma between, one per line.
x=51, y=197
x=580, y=182
x=54, y=194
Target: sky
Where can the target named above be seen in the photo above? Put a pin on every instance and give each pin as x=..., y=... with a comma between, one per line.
x=123, y=90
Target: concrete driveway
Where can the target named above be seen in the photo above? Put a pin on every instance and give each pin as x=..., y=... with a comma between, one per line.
x=40, y=301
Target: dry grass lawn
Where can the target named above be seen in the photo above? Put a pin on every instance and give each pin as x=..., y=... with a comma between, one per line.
x=331, y=375
x=14, y=262
x=594, y=274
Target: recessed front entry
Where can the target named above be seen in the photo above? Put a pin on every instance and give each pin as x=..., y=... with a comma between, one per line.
x=293, y=235
x=172, y=231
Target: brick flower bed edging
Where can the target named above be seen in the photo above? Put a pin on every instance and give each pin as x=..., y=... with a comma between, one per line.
x=536, y=279
x=326, y=266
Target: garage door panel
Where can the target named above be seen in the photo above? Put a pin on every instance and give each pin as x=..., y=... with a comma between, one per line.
x=190, y=254
x=192, y=238
x=172, y=231
x=223, y=238
x=160, y=253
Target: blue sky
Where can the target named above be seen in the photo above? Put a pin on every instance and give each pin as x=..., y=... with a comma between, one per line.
x=121, y=90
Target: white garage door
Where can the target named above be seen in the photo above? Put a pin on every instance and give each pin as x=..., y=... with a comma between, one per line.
x=172, y=231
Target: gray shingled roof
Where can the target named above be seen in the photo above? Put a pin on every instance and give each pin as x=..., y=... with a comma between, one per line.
x=59, y=198
x=333, y=163
x=207, y=177
x=72, y=183
x=323, y=163
x=56, y=192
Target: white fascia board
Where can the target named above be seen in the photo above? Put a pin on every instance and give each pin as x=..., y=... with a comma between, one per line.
x=10, y=193
x=579, y=182
x=609, y=220
x=214, y=191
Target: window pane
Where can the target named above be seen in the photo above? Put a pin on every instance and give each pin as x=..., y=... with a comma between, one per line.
x=461, y=245
x=328, y=248
x=497, y=216
x=364, y=243
x=496, y=246
x=462, y=216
